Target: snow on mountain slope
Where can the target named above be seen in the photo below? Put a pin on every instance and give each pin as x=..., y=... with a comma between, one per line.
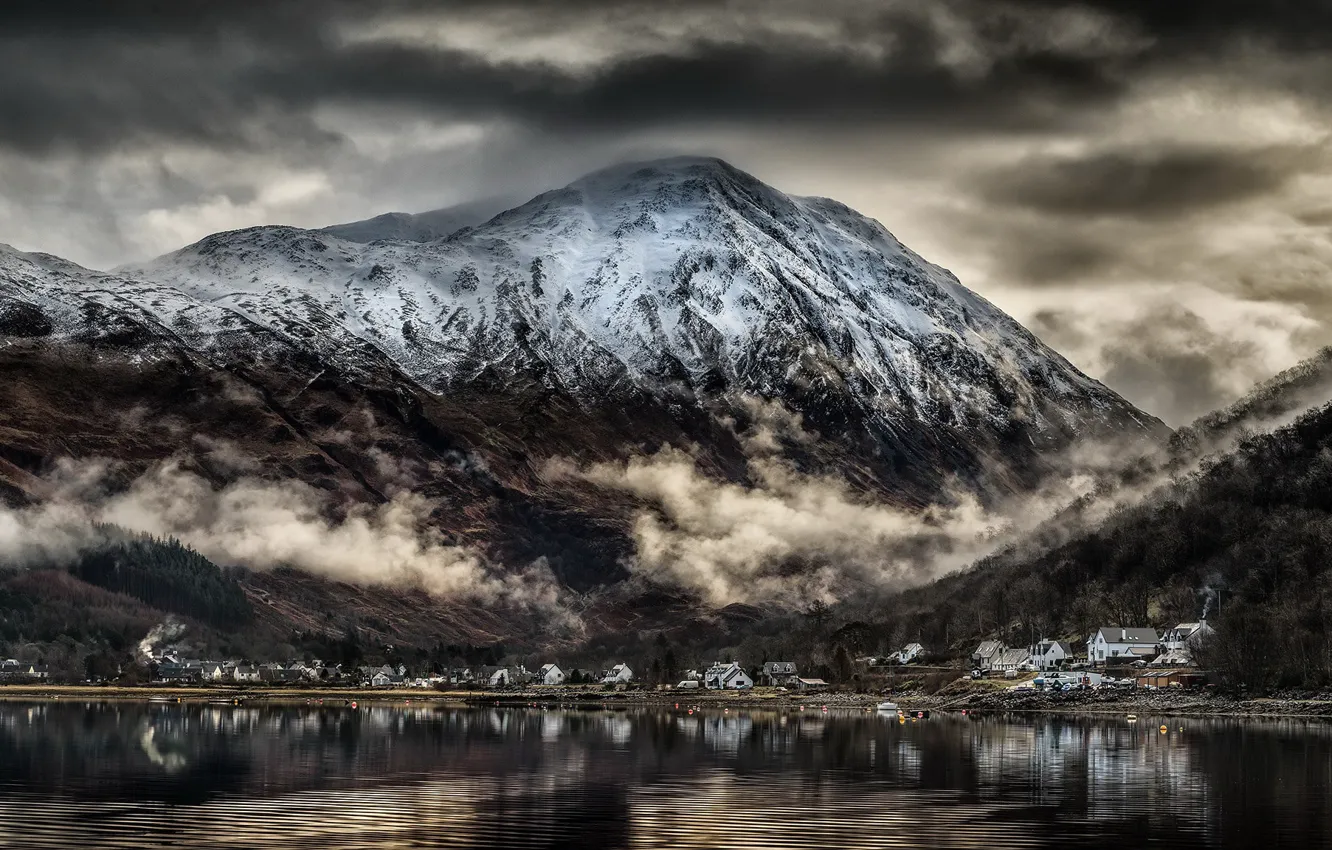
x=680, y=274
x=641, y=305
x=421, y=227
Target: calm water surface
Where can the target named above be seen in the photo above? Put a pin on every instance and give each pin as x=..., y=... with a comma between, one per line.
x=126, y=775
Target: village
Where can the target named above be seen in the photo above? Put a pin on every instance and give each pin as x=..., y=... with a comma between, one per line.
x=1138, y=656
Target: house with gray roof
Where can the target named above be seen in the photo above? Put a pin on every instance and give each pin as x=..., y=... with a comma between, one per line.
x=1122, y=644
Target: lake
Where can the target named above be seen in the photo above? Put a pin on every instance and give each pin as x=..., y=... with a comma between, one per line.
x=131, y=775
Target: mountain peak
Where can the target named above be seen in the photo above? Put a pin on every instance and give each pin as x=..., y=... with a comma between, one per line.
x=638, y=176
x=682, y=276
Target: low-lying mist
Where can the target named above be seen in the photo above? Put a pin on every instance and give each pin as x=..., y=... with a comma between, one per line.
x=790, y=537
x=263, y=525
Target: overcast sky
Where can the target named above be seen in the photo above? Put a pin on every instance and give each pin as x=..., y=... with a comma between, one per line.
x=1145, y=183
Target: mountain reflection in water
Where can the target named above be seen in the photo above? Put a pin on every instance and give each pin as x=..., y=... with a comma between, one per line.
x=166, y=775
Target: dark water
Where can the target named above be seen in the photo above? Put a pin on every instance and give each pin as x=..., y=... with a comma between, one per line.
x=126, y=775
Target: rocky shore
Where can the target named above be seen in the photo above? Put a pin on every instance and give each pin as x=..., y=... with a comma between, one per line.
x=1108, y=701
x=957, y=698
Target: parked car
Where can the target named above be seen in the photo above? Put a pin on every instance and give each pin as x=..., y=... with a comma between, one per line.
x=688, y=685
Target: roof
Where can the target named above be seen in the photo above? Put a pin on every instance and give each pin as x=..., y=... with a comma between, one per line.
x=811, y=681
x=1129, y=634
x=779, y=667
x=1013, y=656
x=988, y=647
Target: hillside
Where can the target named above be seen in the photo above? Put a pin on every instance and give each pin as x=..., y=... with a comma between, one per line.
x=1245, y=540
x=397, y=403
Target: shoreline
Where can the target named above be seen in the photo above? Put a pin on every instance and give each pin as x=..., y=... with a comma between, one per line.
x=1180, y=703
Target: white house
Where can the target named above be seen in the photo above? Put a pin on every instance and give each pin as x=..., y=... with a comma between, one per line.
x=618, y=674
x=1181, y=641
x=500, y=678
x=1051, y=654
x=727, y=677
x=985, y=655
x=1114, y=644
x=1009, y=659
x=245, y=673
x=1187, y=636
x=551, y=674
x=385, y=679
x=908, y=653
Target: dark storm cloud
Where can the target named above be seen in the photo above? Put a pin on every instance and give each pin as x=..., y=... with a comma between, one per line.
x=1170, y=361
x=1058, y=261
x=229, y=74
x=1203, y=24
x=1154, y=182
x=90, y=76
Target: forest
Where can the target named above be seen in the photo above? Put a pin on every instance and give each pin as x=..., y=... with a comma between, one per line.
x=1245, y=539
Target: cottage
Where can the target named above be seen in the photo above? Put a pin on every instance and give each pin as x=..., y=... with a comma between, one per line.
x=280, y=675
x=810, y=684
x=1117, y=644
x=727, y=677
x=1051, y=654
x=498, y=677
x=383, y=679
x=12, y=669
x=551, y=674
x=213, y=671
x=779, y=672
x=1010, y=660
x=1182, y=641
x=179, y=672
x=909, y=653
x=245, y=673
x=619, y=674
x=985, y=655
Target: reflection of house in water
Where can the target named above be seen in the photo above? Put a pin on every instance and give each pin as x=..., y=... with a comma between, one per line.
x=1117, y=770
x=552, y=724
x=618, y=728
x=725, y=732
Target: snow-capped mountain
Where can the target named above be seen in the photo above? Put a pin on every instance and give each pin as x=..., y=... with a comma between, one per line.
x=641, y=302
x=685, y=270
x=421, y=227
